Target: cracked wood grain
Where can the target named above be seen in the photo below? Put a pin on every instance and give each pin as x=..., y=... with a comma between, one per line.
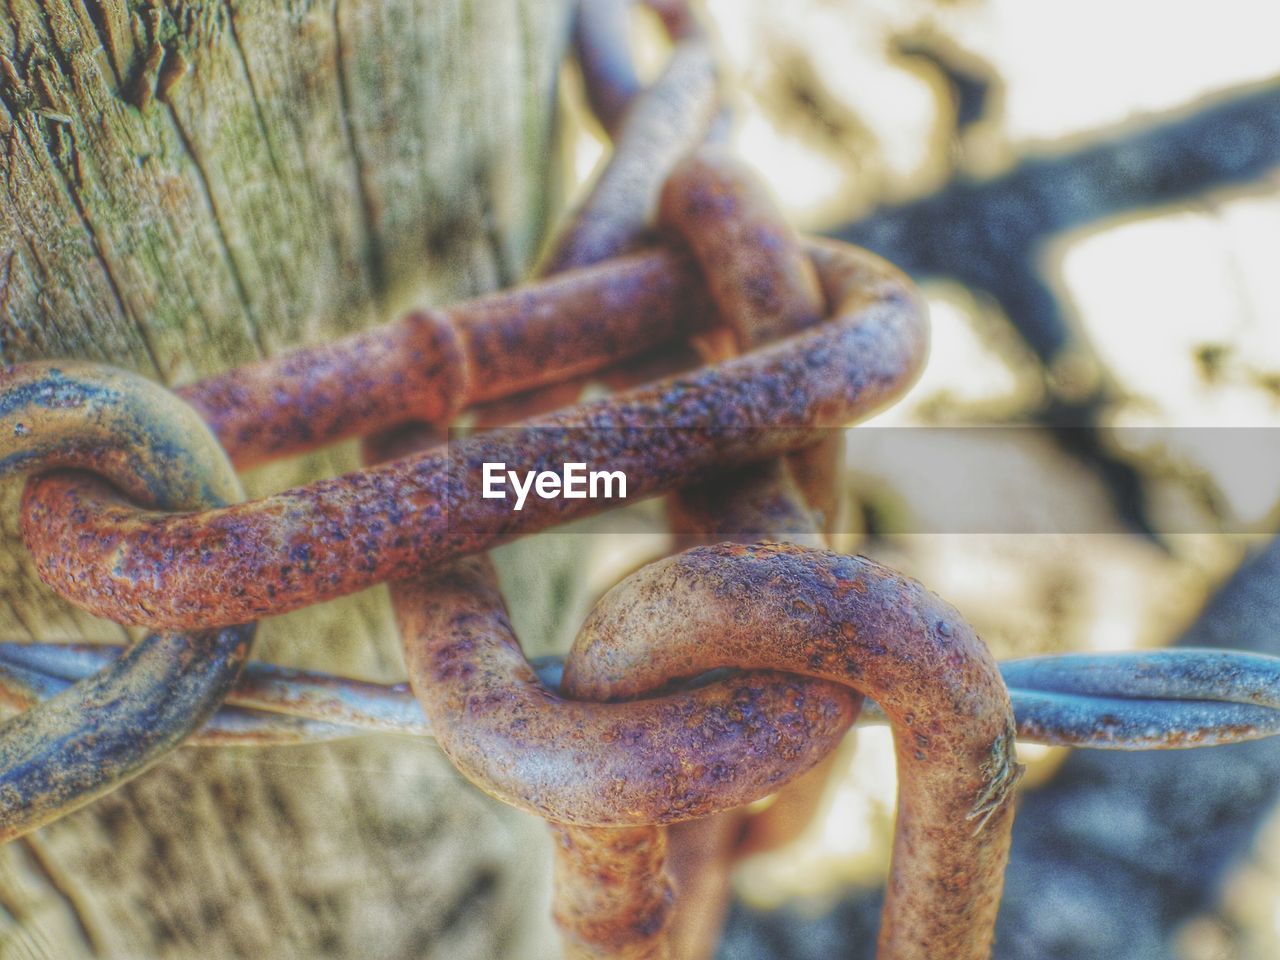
x=186, y=185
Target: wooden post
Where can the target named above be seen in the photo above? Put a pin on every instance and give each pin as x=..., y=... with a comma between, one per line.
x=186, y=185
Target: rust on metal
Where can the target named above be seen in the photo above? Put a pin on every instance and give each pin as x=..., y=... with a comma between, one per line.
x=763, y=285
x=658, y=760
x=752, y=260
x=613, y=896
x=432, y=363
x=335, y=536
x=79, y=744
x=765, y=288
x=818, y=614
x=654, y=130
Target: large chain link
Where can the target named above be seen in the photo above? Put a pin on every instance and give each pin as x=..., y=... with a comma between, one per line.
x=80, y=743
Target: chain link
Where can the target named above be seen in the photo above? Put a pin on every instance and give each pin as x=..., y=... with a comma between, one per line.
x=77, y=745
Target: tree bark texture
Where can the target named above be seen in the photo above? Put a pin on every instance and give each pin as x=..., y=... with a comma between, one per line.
x=187, y=185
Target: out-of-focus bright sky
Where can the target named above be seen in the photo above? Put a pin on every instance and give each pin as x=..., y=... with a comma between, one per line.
x=1151, y=291
x=1071, y=68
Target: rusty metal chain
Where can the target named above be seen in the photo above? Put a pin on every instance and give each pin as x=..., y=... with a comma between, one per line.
x=332, y=537
x=700, y=683
x=74, y=746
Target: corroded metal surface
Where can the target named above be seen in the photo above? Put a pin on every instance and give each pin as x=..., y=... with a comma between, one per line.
x=813, y=613
x=119, y=426
x=340, y=535
x=657, y=760
x=760, y=280
x=109, y=727
x=764, y=287
x=613, y=896
x=335, y=536
x=432, y=363
x=752, y=260
x=654, y=130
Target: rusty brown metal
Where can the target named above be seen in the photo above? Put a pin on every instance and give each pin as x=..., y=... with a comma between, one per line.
x=613, y=896
x=765, y=288
x=343, y=534
x=752, y=260
x=335, y=536
x=818, y=614
x=657, y=760
x=613, y=893
x=762, y=283
x=432, y=363
x=106, y=729
x=654, y=130
x=639, y=733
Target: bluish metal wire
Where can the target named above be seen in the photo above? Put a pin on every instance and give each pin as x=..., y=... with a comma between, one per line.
x=1151, y=700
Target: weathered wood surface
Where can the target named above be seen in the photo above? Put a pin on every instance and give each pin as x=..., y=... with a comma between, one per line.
x=185, y=186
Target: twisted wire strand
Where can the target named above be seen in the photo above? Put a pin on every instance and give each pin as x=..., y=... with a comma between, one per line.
x=1149, y=700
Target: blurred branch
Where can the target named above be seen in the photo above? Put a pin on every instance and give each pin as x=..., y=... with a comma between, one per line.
x=987, y=234
x=990, y=234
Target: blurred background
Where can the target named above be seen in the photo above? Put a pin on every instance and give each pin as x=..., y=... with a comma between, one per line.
x=1089, y=194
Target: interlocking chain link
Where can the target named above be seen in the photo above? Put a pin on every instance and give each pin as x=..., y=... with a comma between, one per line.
x=700, y=683
x=78, y=744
